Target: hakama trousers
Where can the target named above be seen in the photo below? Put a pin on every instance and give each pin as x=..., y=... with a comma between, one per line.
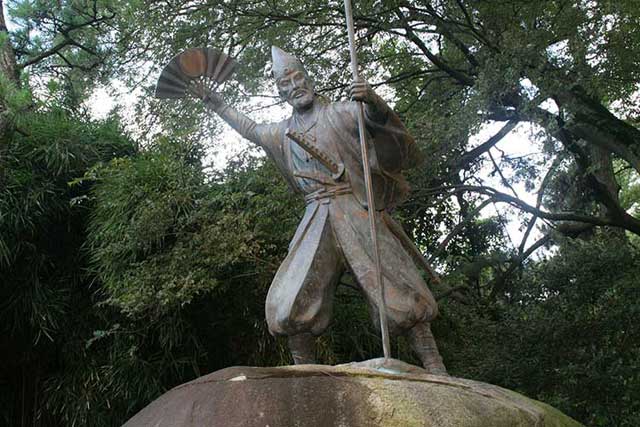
x=332, y=237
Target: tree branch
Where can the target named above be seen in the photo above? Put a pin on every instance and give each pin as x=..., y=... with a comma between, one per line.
x=471, y=155
x=435, y=60
x=505, y=198
x=470, y=24
x=454, y=293
x=47, y=53
x=502, y=178
x=65, y=31
x=443, y=245
x=499, y=283
x=444, y=28
x=534, y=218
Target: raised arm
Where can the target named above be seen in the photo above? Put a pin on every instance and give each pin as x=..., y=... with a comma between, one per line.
x=237, y=120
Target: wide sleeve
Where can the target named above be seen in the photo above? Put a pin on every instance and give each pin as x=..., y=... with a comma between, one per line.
x=265, y=135
x=395, y=148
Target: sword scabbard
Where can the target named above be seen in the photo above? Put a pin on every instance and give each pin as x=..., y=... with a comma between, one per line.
x=307, y=142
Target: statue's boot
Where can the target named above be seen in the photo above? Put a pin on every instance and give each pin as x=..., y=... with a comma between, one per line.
x=303, y=348
x=423, y=343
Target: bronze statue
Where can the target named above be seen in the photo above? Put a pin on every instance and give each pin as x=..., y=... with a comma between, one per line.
x=317, y=151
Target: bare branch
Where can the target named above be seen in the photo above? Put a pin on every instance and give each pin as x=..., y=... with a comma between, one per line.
x=499, y=283
x=471, y=155
x=534, y=218
x=502, y=178
x=436, y=60
x=513, y=201
x=538, y=244
x=443, y=245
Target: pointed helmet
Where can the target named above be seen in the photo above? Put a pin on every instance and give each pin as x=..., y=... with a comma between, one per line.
x=284, y=63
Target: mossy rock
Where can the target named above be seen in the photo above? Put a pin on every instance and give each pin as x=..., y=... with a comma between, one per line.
x=348, y=395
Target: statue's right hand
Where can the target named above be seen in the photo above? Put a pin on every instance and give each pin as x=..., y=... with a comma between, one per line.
x=212, y=100
x=197, y=89
x=200, y=91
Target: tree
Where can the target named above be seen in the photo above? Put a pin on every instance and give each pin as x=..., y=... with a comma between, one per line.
x=568, y=338
x=454, y=65
x=46, y=295
x=8, y=71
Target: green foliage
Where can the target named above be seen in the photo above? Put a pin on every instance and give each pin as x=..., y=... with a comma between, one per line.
x=14, y=100
x=46, y=152
x=184, y=266
x=569, y=340
x=43, y=288
x=70, y=41
x=160, y=236
x=143, y=206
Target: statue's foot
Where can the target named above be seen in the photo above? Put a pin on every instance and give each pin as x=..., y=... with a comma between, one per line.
x=424, y=345
x=437, y=370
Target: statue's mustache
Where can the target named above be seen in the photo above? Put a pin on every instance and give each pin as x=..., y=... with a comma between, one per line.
x=298, y=92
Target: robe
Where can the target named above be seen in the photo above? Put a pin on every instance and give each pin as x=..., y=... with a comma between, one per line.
x=334, y=233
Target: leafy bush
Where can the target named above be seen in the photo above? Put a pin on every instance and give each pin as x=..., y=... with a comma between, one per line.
x=45, y=292
x=568, y=337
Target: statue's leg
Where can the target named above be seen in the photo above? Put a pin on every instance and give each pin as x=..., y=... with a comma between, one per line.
x=300, y=301
x=410, y=306
x=423, y=343
x=303, y=348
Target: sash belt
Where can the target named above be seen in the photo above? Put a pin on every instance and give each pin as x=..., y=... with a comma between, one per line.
x=328, y=193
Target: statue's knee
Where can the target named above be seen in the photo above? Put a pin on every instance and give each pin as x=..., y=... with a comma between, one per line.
x=288, y=326
x=423, y=310
x=426, y=307
x=282, y=325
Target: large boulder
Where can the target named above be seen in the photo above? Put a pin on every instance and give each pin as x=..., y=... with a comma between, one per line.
x=347, y=395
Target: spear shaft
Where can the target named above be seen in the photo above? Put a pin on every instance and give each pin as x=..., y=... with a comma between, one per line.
x=384, y=328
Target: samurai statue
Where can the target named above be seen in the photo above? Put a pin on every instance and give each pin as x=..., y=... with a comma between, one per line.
x=317, y=152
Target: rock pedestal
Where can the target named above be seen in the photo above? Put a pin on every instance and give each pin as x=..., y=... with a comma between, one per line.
x=355, y=395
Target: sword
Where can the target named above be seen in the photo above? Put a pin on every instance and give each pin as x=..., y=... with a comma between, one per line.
x=384, y=328
x=308, y=143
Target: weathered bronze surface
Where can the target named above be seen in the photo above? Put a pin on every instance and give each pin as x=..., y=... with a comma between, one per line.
x=333, y=236
x=198, y=67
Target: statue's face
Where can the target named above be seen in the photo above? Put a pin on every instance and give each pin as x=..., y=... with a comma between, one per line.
x=297, y=89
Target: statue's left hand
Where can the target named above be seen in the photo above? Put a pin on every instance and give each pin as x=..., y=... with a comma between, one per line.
x=361, y=91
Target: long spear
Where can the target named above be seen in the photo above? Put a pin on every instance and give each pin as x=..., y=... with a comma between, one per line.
x=367, y=178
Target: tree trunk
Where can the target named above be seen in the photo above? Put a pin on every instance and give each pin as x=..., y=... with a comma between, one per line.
x=8, y=66
x=608, y=193
x=595, y=124
x=8, y=70
x=9, y=75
